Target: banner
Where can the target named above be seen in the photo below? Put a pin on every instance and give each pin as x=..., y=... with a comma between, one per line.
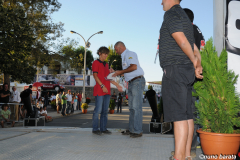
x=232, y=37
x=65, y=79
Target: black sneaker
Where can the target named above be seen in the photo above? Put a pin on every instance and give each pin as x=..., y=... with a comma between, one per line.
x=135, y=135
x=107, y=132
x=97, y=132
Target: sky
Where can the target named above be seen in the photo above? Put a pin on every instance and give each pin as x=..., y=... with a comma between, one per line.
x=134, y=22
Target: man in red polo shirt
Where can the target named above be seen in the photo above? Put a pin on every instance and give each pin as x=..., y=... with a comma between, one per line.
x=101, y=91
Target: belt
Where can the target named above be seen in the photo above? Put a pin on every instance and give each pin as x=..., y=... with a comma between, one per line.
x=135, y=78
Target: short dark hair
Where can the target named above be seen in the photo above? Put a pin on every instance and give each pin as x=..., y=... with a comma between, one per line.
x=4, y=106
x=103, y=49
x=5, y=84
x=189, y=14
x=30, y=86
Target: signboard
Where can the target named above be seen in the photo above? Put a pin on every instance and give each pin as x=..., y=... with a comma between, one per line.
x=232, y=37
x=65, y=79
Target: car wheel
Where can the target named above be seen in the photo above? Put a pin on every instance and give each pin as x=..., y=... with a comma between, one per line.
x=57, y=88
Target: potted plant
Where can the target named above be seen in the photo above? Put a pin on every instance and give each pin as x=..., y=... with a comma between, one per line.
x=218, y=105
x=111, y=106
x=88, y=100
x=84, y=108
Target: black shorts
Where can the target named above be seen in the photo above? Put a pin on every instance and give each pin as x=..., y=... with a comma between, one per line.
x=177, y=92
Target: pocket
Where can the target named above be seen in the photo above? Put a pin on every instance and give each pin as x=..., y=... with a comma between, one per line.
x=187, y=73
x=168, y=72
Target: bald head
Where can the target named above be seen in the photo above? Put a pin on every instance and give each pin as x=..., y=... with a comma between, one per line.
x=119, y=47
x=119, y=43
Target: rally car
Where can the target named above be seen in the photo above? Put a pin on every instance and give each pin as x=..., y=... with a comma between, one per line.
x=51, y=85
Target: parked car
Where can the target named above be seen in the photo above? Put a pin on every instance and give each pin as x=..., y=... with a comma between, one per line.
x=51, y=85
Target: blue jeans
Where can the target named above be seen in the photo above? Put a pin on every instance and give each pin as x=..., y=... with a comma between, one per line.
x=63, y=109
x=135, y=91
x=101, y=107
x=69, y=106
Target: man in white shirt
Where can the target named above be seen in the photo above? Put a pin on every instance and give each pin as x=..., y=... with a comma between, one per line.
x=69, y=102
x=15, y=98
x=58, y=101
x=133, y=74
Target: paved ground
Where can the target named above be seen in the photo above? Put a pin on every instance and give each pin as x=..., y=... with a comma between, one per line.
x=71, y=138
x=116, y=120
x=54, y=143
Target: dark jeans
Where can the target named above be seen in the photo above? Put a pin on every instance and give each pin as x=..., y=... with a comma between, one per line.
x=46, y=102
x=119, y=106
x=63, y=109
x=68, y=107
x=27, y=105
x=78, y=105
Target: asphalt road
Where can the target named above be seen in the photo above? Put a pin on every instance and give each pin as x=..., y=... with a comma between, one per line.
x=116, y=120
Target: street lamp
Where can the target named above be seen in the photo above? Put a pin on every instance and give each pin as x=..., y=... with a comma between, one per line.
x=87, y=44
x=112, y=62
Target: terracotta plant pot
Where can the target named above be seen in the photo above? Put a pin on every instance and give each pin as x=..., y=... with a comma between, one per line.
x=84, y=111
x=218, y=145
x=111, y=111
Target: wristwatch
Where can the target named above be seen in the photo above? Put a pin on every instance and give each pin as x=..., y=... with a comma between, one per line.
x=102, y=85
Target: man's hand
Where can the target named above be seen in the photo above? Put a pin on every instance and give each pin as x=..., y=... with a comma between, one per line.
x=111, y=70
x=117, y=73
x=198, y=72
x=105, y=89
x=120, y=89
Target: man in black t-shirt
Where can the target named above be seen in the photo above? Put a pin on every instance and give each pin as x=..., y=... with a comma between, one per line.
x=181, y=62
x=5, y=94
x=198, y=36
x=27, y=99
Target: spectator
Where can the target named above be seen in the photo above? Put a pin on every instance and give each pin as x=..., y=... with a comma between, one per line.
x=58, y=101
x=114, y=97
x=53, y=97
x=79, y=101
x=15, y=98
x=46, y=99
x=64, y=103
x=39, y=103
x=5, y=94
x=120, y=99
x=5, y=115
x=75, y=102
x=43, y=112
x=23, y=112
x=26, y=97
x=1, y=87
x=69, y=102
x=38, y=94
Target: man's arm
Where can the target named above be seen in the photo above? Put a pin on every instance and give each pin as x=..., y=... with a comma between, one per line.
x=4, y=95
x=118, y=87
x=183, y=43
x=131, y=68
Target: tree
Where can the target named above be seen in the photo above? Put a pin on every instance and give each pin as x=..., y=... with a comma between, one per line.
x=37, y=14
x=15, y=45
x=74, y=57
x=117, y=65
x=150, y=87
